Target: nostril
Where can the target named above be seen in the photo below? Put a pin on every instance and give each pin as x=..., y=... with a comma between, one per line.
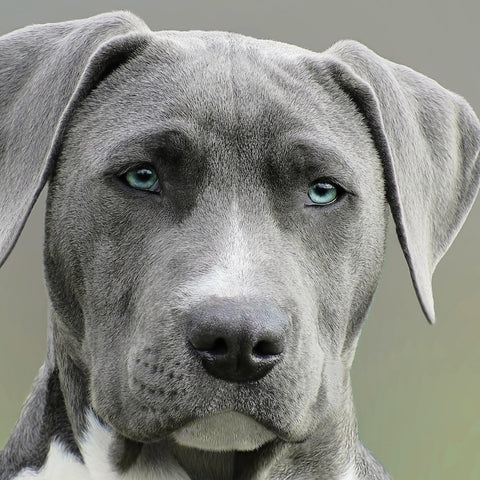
x=207, y=344
x=218, y=347
x=265, y=348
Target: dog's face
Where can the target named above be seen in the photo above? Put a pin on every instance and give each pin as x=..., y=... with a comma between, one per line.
x=239, y=228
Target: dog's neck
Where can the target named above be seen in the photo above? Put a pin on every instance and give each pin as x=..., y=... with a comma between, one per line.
x=174, y=464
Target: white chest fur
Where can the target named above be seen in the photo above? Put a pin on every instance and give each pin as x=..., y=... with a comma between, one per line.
x=61, y=465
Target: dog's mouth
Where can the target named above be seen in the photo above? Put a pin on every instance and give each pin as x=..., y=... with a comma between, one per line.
x=217, y=438
x=222, y=431
x=225, y=431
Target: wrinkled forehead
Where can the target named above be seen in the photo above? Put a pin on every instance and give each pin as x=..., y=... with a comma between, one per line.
x=225, y=92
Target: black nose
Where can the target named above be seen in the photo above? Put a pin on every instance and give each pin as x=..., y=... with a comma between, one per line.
x=237, y=341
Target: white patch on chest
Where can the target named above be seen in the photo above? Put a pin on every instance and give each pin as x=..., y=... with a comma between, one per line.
x=60, y=465
x=95, y=447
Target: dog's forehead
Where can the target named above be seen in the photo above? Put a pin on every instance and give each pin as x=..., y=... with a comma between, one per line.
x=242, y=79
x=236, y=93
x=227, y=77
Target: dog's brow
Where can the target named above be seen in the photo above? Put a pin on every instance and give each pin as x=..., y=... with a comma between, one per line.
x=310, y=152
x=164, y=144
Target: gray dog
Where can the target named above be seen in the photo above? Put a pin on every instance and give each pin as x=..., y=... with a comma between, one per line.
x=215, y=231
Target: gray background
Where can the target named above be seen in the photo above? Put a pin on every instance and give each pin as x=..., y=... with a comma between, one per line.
x=417, y=387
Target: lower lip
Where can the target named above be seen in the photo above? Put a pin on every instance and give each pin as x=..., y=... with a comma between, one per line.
x=224, y=431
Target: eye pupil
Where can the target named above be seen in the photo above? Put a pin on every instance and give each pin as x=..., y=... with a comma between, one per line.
x=322, y=193
x=144, y=175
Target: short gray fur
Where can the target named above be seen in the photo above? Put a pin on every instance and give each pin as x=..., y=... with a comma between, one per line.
x=238, y=128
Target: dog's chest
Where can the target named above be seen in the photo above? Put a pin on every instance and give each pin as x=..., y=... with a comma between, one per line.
x=95, y=448
x=61, y=465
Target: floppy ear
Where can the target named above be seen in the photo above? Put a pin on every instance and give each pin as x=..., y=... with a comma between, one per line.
x=45, y=72
x=428, y=140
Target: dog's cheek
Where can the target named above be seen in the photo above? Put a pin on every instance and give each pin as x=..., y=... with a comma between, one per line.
x=94, y=256
x=342, y=250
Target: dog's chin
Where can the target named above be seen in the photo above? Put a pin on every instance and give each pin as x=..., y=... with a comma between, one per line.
x=224, y=432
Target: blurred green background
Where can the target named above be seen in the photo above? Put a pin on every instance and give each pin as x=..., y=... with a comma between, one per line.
x=417, y=387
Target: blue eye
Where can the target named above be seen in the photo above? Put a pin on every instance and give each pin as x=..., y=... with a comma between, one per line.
x=142, y=178
x=323, y=193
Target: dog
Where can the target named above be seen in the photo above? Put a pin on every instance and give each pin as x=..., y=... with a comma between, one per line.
x=215, y=231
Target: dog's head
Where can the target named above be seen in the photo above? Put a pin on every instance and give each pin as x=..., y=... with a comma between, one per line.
x=216, y=216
